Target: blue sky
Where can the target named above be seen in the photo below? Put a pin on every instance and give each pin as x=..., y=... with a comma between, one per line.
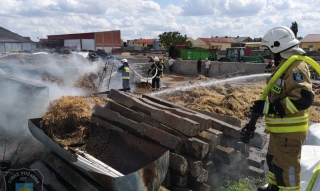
x=147, y=19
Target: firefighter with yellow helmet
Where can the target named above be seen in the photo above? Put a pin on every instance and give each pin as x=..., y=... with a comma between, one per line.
x=285, y=111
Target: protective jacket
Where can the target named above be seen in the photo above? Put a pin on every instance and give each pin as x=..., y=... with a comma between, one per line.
x=125, y=70
x=294, y=89
x=157, y=72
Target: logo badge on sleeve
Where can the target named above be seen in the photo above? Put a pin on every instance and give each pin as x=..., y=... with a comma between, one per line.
x=298, y=77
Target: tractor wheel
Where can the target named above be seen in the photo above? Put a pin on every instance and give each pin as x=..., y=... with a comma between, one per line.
x=224, y=60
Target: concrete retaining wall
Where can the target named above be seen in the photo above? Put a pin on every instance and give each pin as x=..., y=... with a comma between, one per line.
x=217, y=69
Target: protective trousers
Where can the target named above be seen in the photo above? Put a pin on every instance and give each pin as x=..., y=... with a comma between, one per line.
x=125, y=83
x=283, y=159
x=155, y=83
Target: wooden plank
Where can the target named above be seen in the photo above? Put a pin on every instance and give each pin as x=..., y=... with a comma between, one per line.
x=202, y=177
x=186, y=126
x=198, y=186
x=197, y=148
x=195, y=166
x=178, y=164
x=179, y=180
x=209, y=138
x=140, y=130
x=205, y=123
x=140, y=117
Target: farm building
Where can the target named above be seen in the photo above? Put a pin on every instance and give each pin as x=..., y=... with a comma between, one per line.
x=106, y=40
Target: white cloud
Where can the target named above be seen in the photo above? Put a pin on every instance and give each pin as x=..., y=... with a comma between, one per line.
x=147, y=19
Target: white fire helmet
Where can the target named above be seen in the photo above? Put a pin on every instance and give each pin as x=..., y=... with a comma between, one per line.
x=156, y=59
x=124, y=60
x=282, y=40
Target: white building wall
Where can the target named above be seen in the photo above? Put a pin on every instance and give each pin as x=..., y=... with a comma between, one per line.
x=88, y=44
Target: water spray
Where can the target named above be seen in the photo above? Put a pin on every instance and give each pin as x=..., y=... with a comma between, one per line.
x=247, y=132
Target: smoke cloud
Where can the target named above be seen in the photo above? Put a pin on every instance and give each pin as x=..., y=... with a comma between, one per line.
x=25, y=95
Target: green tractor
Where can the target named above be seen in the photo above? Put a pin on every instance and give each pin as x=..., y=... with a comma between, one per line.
x=237, y=54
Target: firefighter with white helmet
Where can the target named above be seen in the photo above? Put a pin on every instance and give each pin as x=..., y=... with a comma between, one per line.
x=125, y=70
x=156, y=70
x=285, y=111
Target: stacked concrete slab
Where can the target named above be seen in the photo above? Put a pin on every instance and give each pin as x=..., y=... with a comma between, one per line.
x=199, y=144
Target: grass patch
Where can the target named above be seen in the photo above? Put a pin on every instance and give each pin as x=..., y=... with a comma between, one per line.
x=243, y=184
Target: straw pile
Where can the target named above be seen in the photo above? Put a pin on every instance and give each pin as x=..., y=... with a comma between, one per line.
x=230, y=100
x=65, y=115
x=88, y=82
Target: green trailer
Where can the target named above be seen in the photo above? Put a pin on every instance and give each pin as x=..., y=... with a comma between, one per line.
x=195, y=54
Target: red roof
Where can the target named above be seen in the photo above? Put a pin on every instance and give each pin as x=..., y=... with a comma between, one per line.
x=6, y=39
x=311, y=38
x=219, y=40
x=145, y=41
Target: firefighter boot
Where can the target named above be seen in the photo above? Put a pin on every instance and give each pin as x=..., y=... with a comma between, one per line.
x=270, y=187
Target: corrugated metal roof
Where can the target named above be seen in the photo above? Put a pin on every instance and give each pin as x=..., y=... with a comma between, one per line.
x=242, y=39
x=219, y=40
x=311, y=38
x=145, y=41
x=6, y=39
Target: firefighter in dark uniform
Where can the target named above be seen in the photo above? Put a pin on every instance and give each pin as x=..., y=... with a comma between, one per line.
x=125, y=70
x=156, y=70
x=286, y=111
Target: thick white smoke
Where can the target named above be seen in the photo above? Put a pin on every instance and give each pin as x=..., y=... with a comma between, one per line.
x=25, y=95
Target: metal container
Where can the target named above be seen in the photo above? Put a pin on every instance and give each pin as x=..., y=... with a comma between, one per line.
x=135, y=164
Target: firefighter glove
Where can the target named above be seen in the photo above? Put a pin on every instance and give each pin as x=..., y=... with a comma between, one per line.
x=258, y=107
x=276, y=108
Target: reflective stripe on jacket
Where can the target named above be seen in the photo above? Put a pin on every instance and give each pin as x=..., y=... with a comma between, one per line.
x=294, y=89
x=126, y=73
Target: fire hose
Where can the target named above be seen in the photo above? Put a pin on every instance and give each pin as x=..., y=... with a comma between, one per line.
x=144, y=77
x=247, y=132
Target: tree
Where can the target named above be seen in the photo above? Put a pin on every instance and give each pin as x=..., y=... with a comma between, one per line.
x=294, y=28
x=168, y=39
